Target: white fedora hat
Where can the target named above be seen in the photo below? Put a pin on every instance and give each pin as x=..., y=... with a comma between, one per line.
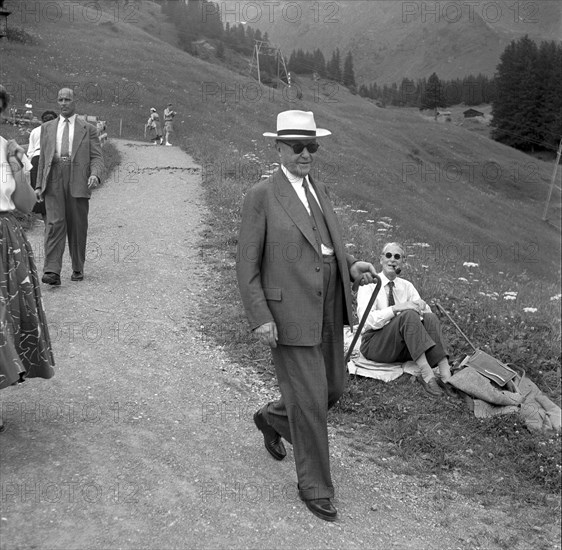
x=297, y=125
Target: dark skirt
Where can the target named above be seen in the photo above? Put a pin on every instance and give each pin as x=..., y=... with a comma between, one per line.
x=25, y=345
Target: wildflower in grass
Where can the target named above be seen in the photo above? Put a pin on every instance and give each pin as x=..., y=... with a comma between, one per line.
x=530, y=309
x=510, y=295
x=557, y=297
x=360, y=211
x=384, y=224
x=463, y=279
x=425, y=266
x=470, y=264
x=423, y=245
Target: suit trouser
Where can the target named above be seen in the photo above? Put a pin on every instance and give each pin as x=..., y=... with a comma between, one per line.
x=405, y=338
x=66, y=216
x=311, y=380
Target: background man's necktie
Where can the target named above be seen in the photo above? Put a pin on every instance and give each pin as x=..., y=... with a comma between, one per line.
x=65, y=146
x=318, y=216
x=391, y=301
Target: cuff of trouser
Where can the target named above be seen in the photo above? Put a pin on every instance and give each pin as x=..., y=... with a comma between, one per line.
x=316, y=492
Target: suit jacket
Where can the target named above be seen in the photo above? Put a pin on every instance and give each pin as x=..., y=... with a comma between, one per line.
x=86, y=156
x=279, y=267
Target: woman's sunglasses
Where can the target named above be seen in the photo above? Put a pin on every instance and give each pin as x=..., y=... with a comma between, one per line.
x=298, y=148
x=389, y=255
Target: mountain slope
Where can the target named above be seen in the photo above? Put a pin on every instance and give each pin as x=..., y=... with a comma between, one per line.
x=438, y=183
x=390, y=40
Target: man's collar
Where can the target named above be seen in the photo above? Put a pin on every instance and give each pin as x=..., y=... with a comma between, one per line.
x=292, y=178
x=384, y=279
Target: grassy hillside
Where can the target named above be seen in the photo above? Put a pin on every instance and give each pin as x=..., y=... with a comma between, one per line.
x=468, y=198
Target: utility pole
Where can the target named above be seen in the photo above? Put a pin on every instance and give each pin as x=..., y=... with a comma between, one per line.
x=258, y=44
x=265, y=48
x=556, y=163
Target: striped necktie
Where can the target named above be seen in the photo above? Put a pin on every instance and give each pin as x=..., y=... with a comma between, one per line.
x=65, y=145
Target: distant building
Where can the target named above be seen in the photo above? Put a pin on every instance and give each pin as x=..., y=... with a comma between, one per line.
x=471, y=113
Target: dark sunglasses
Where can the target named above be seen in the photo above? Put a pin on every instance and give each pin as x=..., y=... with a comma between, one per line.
x=396, y=256
x=298, y=148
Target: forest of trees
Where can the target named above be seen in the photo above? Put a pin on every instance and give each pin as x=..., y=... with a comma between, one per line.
x=302, y=62
x=433, y=93
x=527, y=109
x=190, y=23
x=201, y=19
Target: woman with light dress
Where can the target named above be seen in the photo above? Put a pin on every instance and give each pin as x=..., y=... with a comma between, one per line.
x=25, y=345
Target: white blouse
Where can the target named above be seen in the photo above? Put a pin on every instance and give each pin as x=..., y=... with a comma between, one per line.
x=7, y=181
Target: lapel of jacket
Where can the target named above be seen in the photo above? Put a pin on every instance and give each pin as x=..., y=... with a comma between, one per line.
x=50, y=140
x=79, y=133
x=291, y=203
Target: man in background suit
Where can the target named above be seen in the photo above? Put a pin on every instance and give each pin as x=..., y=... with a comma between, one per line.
x=294, y=279
x=70, y=166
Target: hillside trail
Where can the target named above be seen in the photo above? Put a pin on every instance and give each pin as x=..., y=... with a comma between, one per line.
x=144, y=439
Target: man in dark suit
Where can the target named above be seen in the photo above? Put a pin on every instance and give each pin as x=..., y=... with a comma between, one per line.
x=294, y=279
x=70, y=166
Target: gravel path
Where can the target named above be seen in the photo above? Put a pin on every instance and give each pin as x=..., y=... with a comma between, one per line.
x=144, y=438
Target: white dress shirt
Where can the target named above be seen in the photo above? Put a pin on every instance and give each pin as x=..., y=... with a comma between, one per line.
x=296, y=182
x=60, y=130
x=381, y=313
x=34, y=147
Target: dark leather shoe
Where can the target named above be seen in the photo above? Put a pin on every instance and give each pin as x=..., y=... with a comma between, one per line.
x=51, y=278
x=322, y=508
x=77, y=276
x=431, y=387
x=271, y=439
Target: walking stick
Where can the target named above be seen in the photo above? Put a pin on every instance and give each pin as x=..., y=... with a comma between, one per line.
x=365, y=315
x=442, y=309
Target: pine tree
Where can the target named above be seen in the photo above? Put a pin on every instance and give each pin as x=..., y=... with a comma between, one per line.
x=319, y=63
x=348, y=77
x=515, y=111
x=407, y=93
x=333, y=67
x=433, y=96
x=549, y=93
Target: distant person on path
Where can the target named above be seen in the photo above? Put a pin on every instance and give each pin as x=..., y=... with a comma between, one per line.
x=28, y=109
x=101, y=128
x=25, y=346
x=70, y=166
x=154, y=127
x=33, y=150
x=169, y=115
x=400, y=326
x=294, y=278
